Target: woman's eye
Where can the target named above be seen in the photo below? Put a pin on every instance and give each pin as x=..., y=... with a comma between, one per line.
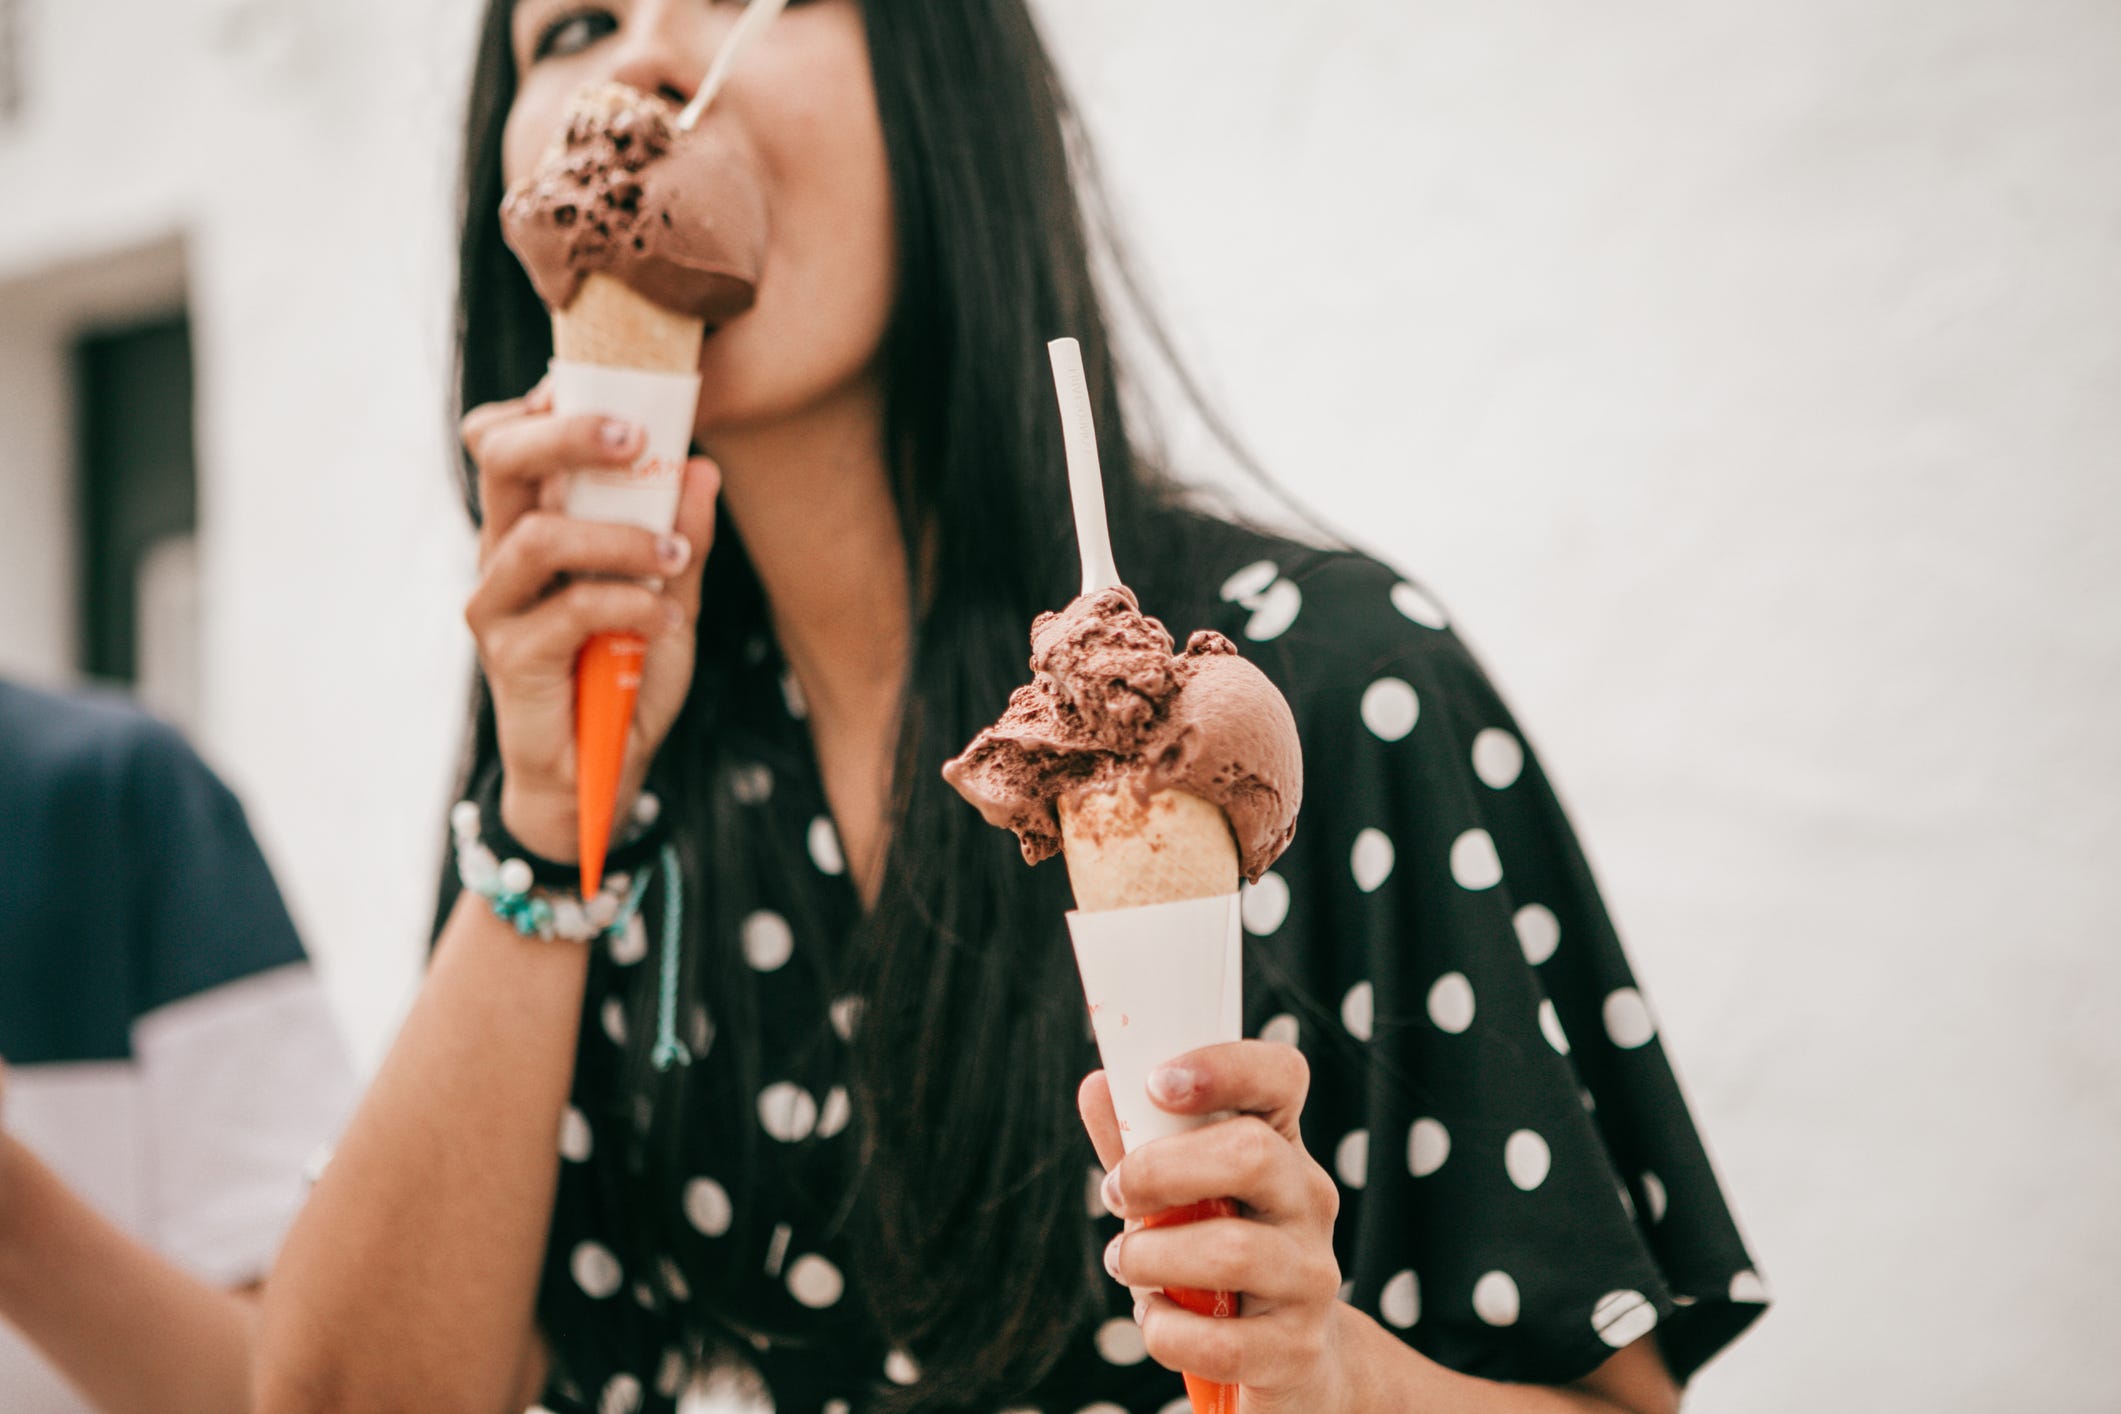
x=571, y=33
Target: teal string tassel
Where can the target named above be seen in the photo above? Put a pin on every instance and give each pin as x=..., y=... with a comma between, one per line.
x=669, y=1050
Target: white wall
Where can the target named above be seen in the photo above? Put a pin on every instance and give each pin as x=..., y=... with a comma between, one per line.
x=283, y=167
x=1748, y=378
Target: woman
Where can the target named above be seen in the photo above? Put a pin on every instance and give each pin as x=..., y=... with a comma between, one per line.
x=867, y=1183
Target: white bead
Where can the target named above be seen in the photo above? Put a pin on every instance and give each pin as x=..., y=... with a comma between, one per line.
x=647, y=810
x=601, y=910
x=515, y=877
x=477, y=867
x=464, y=820
x=570, y=920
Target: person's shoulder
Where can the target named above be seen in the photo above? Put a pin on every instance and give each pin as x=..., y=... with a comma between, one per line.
x=82, y=736
x=1321, y=616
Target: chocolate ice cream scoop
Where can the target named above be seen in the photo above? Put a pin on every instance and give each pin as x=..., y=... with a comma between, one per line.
x=679, y=217
x=1112, y=707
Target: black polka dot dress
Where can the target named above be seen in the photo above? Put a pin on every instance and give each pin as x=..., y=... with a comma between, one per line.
x=1523, y=1191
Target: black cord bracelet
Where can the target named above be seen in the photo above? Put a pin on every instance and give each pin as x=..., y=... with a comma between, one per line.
x=639, y=839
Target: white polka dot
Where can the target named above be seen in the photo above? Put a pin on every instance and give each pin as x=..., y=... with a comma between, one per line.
x=630, y=944
x=837, y=1406
x=1390, y=709
x=1550, y=1026
x=621, y=1396
x=674, y=1280
x=1627, y=1200
x=752, y=784
x=644, y=1295
x=1106, y=1406
x=1498, y=758
x=595, y=1270
x=815, y=1282
x=1265, y=904
x=1538, y=932
x=702, y=1032
x=901, y=1368
x=1094, y=1194
x=833, y=1118
x=1273, y=611
x=1346, y=1292
x=768, y=940
x=1282, y=1030
x=1358, y=1010
x=1527, y=1158
x=1747, y=1287
x=576, y=1140
x=1627, y=1019
x=1653, y=1195
x=777, y=1248
x=788, y=1111
x=1495, y=1299
x=670, y=1375
x=1474, y=863
x=1623, y=1317
x=1371, y=860
x=1451, y=1003
x=1400, y=1304
x=614, y=1017
x=1428, y=1145
x=707, y=1207
x=1180, y=1405
x=845, y=1013
x=1119, y=1340
x=1416, y=605
x=1351, y=1158
x=792, y=694
x=825, y=846
x=1249, y=581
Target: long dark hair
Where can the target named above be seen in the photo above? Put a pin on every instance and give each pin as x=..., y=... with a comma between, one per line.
x=968, y=1231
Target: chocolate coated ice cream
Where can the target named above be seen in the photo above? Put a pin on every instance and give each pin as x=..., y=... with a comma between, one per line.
x=680, y=217
x=1111, y=707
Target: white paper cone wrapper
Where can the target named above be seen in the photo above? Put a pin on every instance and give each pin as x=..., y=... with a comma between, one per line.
x=1161, y=981
x=661, y=404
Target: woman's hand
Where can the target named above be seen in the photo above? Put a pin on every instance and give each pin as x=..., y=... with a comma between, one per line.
x=1278, y=1251
x=549, y=582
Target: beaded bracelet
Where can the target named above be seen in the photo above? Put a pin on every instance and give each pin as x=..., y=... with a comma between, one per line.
x=513, y=891
x=533, y=908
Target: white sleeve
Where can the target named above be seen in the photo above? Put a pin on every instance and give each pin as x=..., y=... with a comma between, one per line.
x=241, y=1086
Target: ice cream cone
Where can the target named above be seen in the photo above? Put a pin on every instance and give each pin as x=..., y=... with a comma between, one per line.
x=610, y=326
x=1126, y=851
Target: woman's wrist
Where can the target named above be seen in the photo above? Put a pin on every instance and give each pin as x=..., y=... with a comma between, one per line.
x=545, y=821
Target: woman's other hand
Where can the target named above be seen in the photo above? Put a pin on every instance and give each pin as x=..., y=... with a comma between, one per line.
x=548, y=582
x=1278, y=1251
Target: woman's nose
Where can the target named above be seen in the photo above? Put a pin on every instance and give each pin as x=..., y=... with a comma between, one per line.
x=666, y=47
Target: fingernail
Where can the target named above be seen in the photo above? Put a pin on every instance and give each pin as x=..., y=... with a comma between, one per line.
x=673, y=552
x=1173, y=1084
x=1141, y=1309
x=1112, y=1256
x=617, y=435
x=1110, y=1193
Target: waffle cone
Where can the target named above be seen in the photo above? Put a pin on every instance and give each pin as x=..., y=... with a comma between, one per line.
x=607, y=323
x=1125, y=852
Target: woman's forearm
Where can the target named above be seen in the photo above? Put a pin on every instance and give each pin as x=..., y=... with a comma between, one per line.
x=1383, y=1375
x=129, y=1330
x=410, y=1277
